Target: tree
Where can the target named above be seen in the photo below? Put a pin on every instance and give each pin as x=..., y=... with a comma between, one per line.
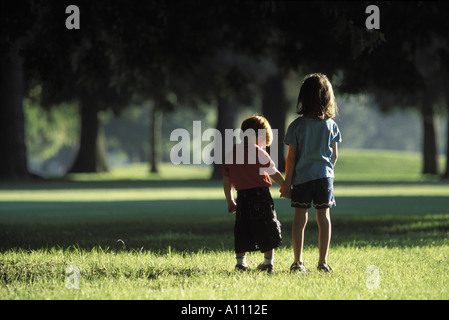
x=152, y=45
x=138, y=51
x=225, y=79
x=401, y=68
x=444, y=56
x=158, y=45
x=75, y=65
x=13, y=162
x=310, y=37
x=199, y=40
x=242, y=34
x=274, y=108
x=433, y=60
x=14, y=21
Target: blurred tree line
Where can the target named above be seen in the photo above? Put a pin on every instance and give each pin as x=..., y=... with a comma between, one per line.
x=183, y=54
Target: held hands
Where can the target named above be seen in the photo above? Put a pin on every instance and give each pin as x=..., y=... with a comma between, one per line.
x=285, y=192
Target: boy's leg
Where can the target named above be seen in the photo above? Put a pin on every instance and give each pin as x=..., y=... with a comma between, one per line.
x=268, y=256
x=241, y=261
x=267, y=264
x=324, y=233
x=298, y=227
x=241, y=257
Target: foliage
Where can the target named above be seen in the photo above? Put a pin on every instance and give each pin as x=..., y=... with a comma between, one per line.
x=183, y=53
x=394, y=69
x=47, y=132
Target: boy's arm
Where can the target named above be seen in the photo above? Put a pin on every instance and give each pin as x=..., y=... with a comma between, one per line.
x=278, y=178
x=227, y=187
x=334, y=153
x=290, y=164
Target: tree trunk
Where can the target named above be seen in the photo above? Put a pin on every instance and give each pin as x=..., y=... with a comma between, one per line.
x=91, y=154
x=156, y=134
x=102, y=159
x=225, y=120
x=13, y=159
x=446, y=173
x=274, y=108
x=430, y=140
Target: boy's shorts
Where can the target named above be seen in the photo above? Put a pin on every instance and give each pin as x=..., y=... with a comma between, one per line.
x=320, y=191
x=256, y=223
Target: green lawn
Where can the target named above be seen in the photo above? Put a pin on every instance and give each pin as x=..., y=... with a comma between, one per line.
x=132, y=235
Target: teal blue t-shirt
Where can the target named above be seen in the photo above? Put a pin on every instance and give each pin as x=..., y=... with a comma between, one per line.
x=313, y=139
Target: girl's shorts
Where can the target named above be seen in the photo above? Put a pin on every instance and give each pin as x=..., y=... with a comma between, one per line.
x=320, y=191
x=256, y=223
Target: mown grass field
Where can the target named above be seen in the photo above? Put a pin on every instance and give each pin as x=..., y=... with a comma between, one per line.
x=130, y=235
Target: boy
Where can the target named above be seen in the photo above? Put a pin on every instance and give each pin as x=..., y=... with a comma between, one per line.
x=256, y=224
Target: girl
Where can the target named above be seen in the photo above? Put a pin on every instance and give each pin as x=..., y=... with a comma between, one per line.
x=256, y=224
x=312, y=139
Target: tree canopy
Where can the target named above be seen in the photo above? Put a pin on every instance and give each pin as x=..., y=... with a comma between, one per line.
x=225, y=52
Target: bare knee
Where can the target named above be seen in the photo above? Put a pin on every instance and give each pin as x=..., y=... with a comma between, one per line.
x=323, y=217
x=300, y=220
x=301, y=217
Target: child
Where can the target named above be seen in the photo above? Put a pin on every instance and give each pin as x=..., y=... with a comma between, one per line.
x=312, y=139
x=248, y=168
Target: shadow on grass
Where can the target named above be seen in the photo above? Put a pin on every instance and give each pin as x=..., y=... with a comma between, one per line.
x=193, y=225
x=68, y=184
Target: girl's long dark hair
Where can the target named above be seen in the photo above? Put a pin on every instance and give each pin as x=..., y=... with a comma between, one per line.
x=316, y=98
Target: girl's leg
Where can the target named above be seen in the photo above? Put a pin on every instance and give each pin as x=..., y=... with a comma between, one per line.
x=324, y=233
x=299, y=224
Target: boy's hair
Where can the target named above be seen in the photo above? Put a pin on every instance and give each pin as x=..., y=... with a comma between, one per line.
x=316, y=98
x=256, y=123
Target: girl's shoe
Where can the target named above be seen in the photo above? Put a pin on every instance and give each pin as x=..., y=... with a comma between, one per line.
x=296, y=267
x=325, y=268
x=241, y=267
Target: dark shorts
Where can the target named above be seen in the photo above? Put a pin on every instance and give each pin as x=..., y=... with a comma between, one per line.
x=256, y=224
x=320, y=192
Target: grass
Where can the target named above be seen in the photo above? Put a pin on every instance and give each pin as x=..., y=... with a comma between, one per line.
x=404, y=273
x=132, y=235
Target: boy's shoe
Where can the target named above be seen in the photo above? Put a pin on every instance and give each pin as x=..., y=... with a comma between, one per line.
x=296, y=267
x=265, y=267
x=241, y=267
x=325, y=268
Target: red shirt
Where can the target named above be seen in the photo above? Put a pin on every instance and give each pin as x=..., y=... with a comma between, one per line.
x=248, y=166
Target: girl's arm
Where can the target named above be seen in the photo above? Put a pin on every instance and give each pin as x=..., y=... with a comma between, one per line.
x=334, y=153
x=290, y=164
x=227, y=187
